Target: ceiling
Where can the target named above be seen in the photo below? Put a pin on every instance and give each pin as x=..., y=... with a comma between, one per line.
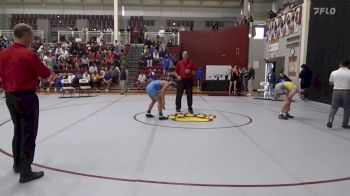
x=163, y=3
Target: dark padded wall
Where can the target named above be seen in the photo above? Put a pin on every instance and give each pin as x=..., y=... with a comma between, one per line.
x=329, y=42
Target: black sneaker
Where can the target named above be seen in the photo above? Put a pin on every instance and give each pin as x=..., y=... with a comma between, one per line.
x=282, y=117
x=163, y=118
x=30, y=176
x=190, y=111
x=178, y=111
x=149, y=115
x=289, y=116
x=329, y=124
x=346, y=126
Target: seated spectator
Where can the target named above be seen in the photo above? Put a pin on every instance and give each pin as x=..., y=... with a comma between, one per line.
x=91, y=56
x=85, y=62
x=93, y=68
x=64, y=54
x=98, y=57
x=77, y=62
x=156, y=57
x=51, y=81
x=152, y=74
x=70, y=77
x=142, y=80
x=49, y=60
x=86, y=76
x=110, y=56
x=107, y=80
x=96, y=80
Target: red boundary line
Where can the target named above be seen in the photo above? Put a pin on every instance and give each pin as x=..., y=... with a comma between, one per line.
x=186, y=184
x=181, y=183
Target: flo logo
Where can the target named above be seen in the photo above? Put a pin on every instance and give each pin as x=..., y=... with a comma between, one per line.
x=325, y=11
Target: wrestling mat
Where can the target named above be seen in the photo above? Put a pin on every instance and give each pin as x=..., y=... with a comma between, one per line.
x=188, y=117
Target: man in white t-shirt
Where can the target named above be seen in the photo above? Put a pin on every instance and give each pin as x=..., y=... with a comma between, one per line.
x=340, y=79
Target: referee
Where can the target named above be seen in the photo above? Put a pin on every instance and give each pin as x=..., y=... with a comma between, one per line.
x=20, y=70
x=340, y=79
x=185, y=70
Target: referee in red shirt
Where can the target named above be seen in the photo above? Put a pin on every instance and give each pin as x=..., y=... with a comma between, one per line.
x=185, y=70
x=20, y=70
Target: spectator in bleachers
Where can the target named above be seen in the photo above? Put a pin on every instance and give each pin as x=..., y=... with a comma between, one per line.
x=142, y=80
x=156, y=57
x=149, y=58
x=107, y=80
x=152, y=74
x=85, y=62
x=64, y=54
x=77, y=62
x=166, y=63
x=49, y=60
x=96, y=80
x=98, y=57
x=91, y=56
x=71, y=76
x=93, y=68
x=86, y=76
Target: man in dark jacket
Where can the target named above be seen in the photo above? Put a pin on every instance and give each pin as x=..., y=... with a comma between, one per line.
x=305, y=77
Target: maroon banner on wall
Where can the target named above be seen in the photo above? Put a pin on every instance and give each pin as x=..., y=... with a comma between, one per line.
x=229, y=46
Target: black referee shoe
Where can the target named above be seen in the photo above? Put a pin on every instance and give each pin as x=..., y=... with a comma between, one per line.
x=30, y=176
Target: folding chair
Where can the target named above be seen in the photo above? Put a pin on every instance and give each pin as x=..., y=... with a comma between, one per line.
x=67, y=86
x=84, y=86
x=263, y=92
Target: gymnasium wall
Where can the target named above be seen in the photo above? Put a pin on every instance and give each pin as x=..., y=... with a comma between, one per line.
x=328, y=43
x=227, y=46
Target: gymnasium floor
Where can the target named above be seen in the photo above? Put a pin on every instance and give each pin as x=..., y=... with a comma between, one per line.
x=103, y=145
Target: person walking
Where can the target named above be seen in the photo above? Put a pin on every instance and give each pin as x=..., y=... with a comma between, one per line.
x=20, y=70
x=340, y=80
x=185, y=70
x=124, y=74
x=250, y=78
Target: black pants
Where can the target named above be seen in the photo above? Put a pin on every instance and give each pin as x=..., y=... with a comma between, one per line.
x=24, y=110
x=181, y=86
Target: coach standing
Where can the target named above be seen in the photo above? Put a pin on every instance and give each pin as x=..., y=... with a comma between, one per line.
x=20, y=70
x=185, y=70
x=341, y=93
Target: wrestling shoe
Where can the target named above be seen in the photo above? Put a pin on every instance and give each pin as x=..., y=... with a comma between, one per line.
x=163, y=118
x=190, y=110
x=282, y=117
x=149, y=115
x=178, y=111
x=330, y=123
x=346, y=126
x=289, y=116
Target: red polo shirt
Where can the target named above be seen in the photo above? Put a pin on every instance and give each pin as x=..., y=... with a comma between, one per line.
x=20, y=69
x=182, y=65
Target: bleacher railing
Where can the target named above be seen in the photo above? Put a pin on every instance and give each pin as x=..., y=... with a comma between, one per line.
x=167, y=37
x=86, y=36
x=9, y=34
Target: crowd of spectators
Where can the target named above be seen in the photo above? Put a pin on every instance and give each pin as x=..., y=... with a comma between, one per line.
x=155, y=61
x=100, y=64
